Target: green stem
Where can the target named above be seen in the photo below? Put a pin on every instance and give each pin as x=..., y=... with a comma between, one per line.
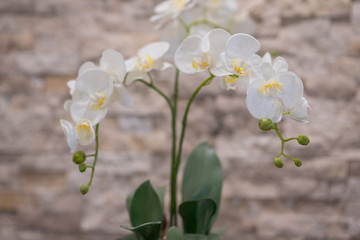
x=173, y=108
x=290, y=139
x=283, y=141
x=173, y=218
x=151, y=79
x=96, y=153
x=187, y=29
x=176, y=163
x=201, y=21
x=167, y=99
x=184, y=122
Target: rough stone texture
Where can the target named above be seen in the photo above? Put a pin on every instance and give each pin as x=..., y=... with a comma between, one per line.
x=42, y=44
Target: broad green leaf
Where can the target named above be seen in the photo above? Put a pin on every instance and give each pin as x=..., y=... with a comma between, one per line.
x=197, y=215
x=203, y=177
x=160, y=191
x=128, y=237
x=146, y=231
x=145, y=206
x=175, y=234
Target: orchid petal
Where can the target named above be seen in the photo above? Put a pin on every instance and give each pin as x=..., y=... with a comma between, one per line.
x=292, y=89
x=124, y=96
x=189, y=49
x=155, y=50
x=242, y=46
x=113, y=62
x=87, y=66
x=70, y=134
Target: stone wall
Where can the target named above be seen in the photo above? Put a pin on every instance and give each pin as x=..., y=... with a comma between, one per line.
x=42, y=44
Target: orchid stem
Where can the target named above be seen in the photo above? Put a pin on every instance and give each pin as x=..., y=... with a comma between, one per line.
x=173, y=207
x=167, y=99
x=96, y=153
x=283, y=141
x=176, y=163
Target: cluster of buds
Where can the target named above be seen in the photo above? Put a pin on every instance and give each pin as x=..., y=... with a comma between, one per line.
x=266, y=125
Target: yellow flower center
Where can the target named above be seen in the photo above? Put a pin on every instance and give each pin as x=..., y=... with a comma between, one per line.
x=240, y=68
x=99, y=101
x=84, y=132
x=230, y=79
x=179, y=4
x=270, y=88
x=144, y=64
x=201, y=63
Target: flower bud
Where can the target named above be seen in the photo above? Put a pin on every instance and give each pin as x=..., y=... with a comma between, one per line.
x=278, y=162
x=82, y=167
x=79, y=157
x=297, y=162
x=84, y=189
x=303, y=140
x=265, y=124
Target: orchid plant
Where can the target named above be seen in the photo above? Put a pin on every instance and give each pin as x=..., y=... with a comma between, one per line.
x=205, y=43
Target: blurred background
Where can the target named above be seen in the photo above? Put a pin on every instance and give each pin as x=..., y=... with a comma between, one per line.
x=42, y=45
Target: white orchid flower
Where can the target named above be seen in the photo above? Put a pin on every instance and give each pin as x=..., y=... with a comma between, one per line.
x=169, y=10
x=113, y=64
x=197, y=54
x=239, y=61
x=221, y=12
x=82, y=132
x=299, y=112
x=93, y=93
x=275, y=95
x=148, y=58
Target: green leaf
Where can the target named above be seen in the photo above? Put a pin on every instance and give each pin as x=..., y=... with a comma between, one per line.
x=197, y=215
x=147, y=231
x=128, y=237
x=174, y=234
x=203, y=177
x=160, y=191
x=145, y=206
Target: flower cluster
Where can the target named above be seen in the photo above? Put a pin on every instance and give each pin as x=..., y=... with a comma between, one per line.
x=272, y=90
x=199, y=40
x=178, y=19
x=98, y=86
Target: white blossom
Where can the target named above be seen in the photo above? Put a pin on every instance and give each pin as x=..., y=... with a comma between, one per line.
x=276, y=91
x=82, y=132
x=93, y=93
x=113, y=64
x=197, y=54
x=239, y=61
x=169, y=10
x=148, y=58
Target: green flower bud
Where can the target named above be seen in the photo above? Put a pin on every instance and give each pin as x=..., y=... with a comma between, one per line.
x=297, y=162
x=79, y=157
x=84, y=189
x=278, y=162
x=303, y=140
x=265, y=124
x=82, y=167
